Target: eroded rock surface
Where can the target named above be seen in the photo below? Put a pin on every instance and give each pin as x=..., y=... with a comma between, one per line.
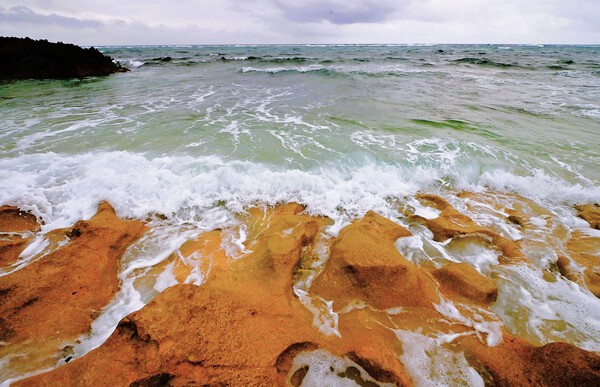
x=52, y=301
x=364, y=264
x=462, y=279
x=245, y=325
x=591, y=214
x=453, y=224
x=517, y=363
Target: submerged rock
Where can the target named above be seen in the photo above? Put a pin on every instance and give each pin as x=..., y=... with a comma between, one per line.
x=24, y=58
x=12, y=219
x=453, y=224
x=582, y=265
x=52, y=301
x=247, y=323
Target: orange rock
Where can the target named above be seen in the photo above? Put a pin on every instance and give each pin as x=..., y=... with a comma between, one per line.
x=451, y=224
x=581, y=266
x=518, y=363
x=591, y=214
x=10, y=249
x=464, y=280
x=12, y=219
x=53, y=301
x=364, y=264
x=243, y=327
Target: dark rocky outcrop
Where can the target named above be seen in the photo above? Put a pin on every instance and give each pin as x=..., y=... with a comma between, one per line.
x=24, y=58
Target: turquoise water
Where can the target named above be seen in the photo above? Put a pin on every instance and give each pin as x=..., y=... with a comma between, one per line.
x=199, y=133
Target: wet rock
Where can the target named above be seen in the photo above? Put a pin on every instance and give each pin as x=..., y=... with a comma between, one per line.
x=462, y=279
x=245, y=326
x=364, y=264
x=518, y=363
x=39, y=59
x=591, y=214
x=159, y=380
x=382, y=368
x=453, y=224
x=242, y=327
x=10, y=249
x=581, y=264
x=12, y=219
x=197, y=334
x=53, y=300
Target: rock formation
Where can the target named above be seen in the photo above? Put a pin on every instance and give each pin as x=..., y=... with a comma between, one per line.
x=49, y=303
x=17, y=229
x=257, y=318
x=24, y=58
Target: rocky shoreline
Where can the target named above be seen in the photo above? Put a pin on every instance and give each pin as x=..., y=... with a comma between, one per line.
x=24, y=58
x=298, y=306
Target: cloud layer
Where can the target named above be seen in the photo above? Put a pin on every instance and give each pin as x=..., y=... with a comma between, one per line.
x=303, y=21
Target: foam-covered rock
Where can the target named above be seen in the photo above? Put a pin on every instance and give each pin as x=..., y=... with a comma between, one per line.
x=451, y=223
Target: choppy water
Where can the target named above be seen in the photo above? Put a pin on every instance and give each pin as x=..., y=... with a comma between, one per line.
x=197, y=133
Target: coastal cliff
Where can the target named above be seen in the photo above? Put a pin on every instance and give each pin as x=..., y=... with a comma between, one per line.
x=24, y=58
x=296, y=307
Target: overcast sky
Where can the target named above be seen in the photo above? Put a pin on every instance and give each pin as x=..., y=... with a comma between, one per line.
x=112, y=22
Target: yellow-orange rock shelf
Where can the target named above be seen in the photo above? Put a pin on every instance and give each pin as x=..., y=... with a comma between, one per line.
x=245, y=324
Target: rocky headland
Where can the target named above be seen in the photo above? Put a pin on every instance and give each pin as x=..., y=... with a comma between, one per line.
x=298, y=306
x=24, y=58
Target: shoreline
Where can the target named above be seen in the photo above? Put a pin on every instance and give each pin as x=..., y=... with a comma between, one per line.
x=371, y=301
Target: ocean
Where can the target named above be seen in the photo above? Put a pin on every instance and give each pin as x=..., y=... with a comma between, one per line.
x=194, y=135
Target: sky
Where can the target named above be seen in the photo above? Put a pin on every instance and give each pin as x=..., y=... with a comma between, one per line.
x=129, y=22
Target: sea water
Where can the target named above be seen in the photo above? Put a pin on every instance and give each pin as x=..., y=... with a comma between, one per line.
x=196, y=134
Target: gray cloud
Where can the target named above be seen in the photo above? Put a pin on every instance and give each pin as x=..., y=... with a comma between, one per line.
x=337, y=12
x=303, y=21
x=24, y=15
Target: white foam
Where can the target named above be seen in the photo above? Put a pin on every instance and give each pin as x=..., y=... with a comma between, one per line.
x=544, y=311
x=487, y=327
x=474, y=252
x=279, y=69
x=166, y=279
x=429, y=363
x=326, y=369
x=325, y=319
x=541, y=186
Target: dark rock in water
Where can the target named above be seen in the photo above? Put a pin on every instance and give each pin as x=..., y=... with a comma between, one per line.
x=24, y=58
